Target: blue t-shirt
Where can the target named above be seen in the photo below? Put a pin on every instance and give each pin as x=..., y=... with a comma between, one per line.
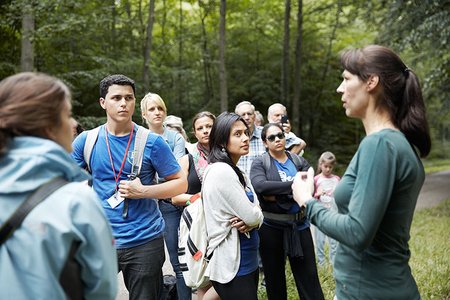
x=287, y=171
x=249, y=247
x=144, y=221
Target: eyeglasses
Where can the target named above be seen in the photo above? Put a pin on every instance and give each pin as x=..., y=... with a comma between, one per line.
x=279, y=135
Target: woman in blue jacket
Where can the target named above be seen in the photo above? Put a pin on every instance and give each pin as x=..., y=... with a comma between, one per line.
x=69, y=228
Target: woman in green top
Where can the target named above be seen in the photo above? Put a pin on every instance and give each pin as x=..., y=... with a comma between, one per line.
x=378, y=192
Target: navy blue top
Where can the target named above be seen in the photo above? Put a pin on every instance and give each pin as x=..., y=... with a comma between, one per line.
x=249, y=247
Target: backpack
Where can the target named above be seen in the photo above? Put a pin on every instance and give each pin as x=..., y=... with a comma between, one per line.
x=138, y=151
x=300, y=163
x=193, y=245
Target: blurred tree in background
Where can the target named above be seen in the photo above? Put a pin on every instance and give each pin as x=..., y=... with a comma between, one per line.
x=274, y=51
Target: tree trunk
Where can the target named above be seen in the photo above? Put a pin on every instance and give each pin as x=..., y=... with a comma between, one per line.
x=296, y=117
x=148, y=43
x=113, y=27
x=179, y=98
x=27, y=55
x=222, y=69
x=165, y=56
x=208, y=92
x=317, y=130
x=285, y=64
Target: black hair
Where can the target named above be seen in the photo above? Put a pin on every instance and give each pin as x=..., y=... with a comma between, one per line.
x=218, y=140
x=266, y=127
x=118, y=79
x=401, y=94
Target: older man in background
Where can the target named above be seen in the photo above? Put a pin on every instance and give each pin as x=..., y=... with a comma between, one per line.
x=277, y=113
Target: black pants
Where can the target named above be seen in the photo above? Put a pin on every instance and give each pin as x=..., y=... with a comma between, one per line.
x=242, y=287
x=303, y=268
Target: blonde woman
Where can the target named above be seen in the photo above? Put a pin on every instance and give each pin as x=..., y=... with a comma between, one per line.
x=154, y=112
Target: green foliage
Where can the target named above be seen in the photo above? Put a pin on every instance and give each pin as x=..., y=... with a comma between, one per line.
x=430, y=236
x=83, y=41
x=436, y=165
x=421, y=31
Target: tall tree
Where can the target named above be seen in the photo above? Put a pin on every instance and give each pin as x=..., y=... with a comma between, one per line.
x=113, y=28
x=148, y=43
x=296, y=115
x=222, y=68
x=179, y=97
x=208, y=90
x=285, y=64
x=27, y=53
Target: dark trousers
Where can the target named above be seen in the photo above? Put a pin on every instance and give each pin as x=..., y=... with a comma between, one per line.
x=142, y=269
x=304, y=268
x=172, y=216
x=241, y=287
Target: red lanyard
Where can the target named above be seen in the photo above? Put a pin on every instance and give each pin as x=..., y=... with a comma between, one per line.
x=116, y=178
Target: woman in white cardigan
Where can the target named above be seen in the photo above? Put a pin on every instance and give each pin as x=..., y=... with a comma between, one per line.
x=232, y=212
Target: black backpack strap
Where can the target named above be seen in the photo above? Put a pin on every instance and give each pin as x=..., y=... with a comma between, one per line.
x=266, y=161
x=31, y=202
x=300, y=162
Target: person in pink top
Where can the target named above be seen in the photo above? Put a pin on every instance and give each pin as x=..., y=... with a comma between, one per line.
x=324, y=184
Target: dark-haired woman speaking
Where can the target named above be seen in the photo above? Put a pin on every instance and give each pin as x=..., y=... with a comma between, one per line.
x=377, y=195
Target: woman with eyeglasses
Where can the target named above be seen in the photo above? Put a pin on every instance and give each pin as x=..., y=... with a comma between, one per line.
x=285, y=231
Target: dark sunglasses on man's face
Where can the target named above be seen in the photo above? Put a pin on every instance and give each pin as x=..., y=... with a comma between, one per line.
x=272, y=137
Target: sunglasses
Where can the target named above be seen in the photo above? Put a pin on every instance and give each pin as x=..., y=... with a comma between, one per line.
x=279, y=135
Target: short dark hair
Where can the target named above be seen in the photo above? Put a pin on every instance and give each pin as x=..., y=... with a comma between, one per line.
x=218, y=139
x=118, y=79
x=266, y=127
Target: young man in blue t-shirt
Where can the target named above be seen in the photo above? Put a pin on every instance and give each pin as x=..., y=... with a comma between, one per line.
x=136, y=222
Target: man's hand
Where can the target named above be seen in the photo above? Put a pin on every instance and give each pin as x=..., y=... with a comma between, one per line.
x=286, y=126
x=131, y=189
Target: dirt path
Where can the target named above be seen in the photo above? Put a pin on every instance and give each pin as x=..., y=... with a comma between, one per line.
x=435, y=189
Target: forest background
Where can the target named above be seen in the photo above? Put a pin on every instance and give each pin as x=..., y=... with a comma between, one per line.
x=210, y=55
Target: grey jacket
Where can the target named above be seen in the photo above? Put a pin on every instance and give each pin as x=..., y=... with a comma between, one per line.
x=224, y=197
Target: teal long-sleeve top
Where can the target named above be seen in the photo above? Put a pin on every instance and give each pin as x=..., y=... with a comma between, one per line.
x=376, y=199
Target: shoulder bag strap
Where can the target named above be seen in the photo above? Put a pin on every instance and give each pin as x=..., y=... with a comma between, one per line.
x=31, y=202
x=91, y=138
x=266, y=161
x=139, y=146
x=138, y=154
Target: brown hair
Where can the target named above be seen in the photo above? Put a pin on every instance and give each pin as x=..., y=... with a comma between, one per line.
x=201, y=115
x=400, y=91
x=29, y=104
